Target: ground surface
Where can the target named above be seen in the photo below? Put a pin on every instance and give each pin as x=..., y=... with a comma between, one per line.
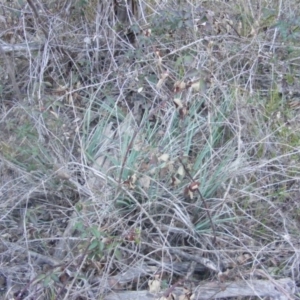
x=150, y=152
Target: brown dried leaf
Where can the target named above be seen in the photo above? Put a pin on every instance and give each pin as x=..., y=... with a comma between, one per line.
x=61, y=89
x=163, y=172
x=147, y=32
x=61, y=172
x=164, y=157
x=179, y=86
x=196, y=86
x=133, y=178
x=243, y=258
x=181, y=171
x=188, y=194
x=178, y=103
x=154, y=285
x=64, y=277
x=130, y=182
x=194, y=186
x=183, y=112
x=186, y=296
x=145, y=182
x=54, y=113
x=171, y=166
x=170, y=297
x=175, y=181
x=159, y=61
x=162, y=79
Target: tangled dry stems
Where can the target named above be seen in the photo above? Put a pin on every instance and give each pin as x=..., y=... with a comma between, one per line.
x=100, y=123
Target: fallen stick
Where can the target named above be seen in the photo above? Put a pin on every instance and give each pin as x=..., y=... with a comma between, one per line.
x=23, y=47
x=212, y=290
